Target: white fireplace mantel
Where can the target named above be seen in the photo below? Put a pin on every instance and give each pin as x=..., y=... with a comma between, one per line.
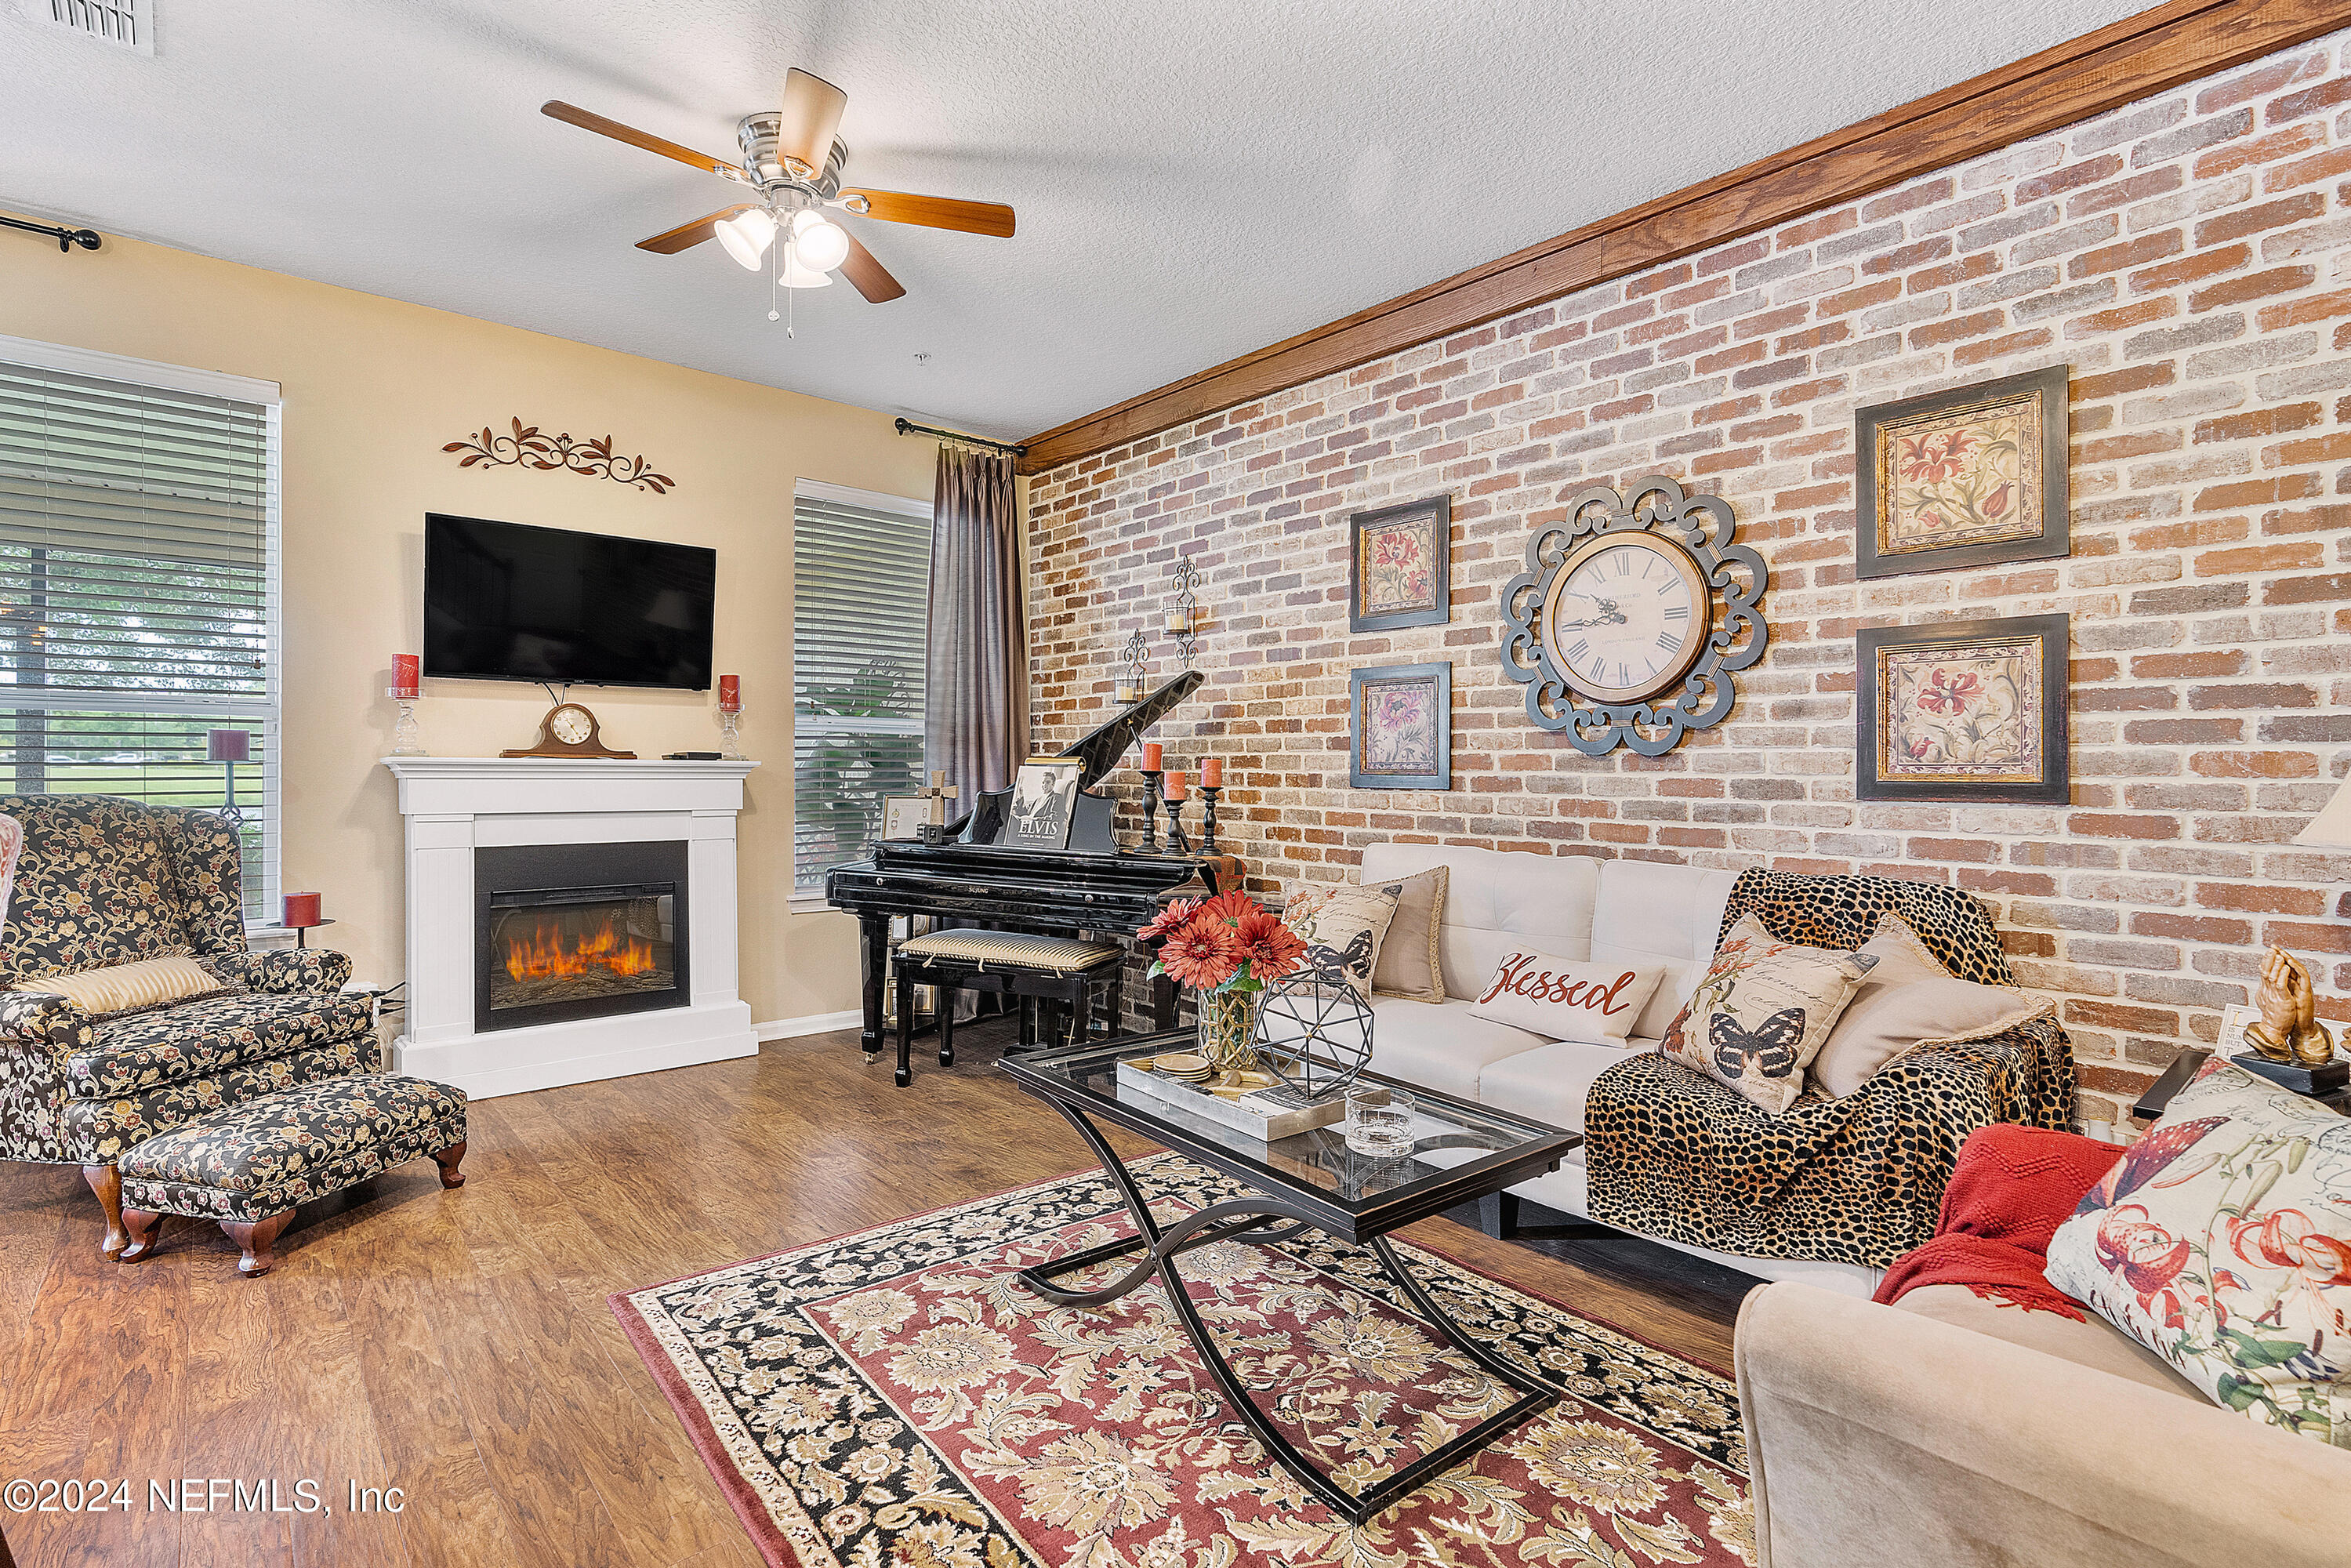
x=454, y=805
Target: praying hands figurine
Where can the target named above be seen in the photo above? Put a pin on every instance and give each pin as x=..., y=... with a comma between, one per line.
x=2289, y=1029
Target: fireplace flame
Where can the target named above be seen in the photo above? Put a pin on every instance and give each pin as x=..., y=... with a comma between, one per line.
x=546, y=954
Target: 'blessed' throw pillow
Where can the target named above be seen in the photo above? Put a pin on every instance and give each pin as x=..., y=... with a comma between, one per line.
x=1561, y=999
x=1758, y=1018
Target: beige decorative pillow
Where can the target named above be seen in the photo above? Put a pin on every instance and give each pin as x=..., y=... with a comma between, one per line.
x=1758, y=1017
x=1344, y=943
x=129, y=987
x=1909, y=1000
x=1563, y=998
x=1409, y=963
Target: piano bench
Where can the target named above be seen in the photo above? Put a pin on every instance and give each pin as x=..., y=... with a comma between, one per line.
x=1043, y=971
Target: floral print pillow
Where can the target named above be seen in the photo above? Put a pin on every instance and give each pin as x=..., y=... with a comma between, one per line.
x=1763, y=1011
x=2222, y=1241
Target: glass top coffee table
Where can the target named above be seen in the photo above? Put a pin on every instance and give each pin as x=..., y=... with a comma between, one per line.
x=1461, y=1151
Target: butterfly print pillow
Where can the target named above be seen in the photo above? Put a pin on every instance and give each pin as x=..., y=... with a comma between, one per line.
x=1762, y=1012
x=1343, y=945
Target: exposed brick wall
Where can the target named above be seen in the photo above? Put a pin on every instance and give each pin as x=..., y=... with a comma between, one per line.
x=2187, y=258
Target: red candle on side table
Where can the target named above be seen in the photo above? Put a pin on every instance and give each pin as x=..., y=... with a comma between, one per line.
x=1176, y=784
x=403, y=676
x=730, y=694
x=301, y=909
x=1151, y=755
x=1212, y=772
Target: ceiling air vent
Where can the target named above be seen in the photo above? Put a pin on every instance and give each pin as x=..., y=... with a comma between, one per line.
x=130, y=23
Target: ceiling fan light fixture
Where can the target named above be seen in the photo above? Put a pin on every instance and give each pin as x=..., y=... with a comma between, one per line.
x=747, y=236
x=821, y=244
x=798, y=274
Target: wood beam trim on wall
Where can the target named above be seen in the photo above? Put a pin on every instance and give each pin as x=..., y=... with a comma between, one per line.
x=2061, y=86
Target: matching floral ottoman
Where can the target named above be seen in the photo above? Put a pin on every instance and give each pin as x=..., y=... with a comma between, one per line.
x=248, y=1164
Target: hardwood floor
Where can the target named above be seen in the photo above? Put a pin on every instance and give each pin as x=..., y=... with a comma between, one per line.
x=457, y=1345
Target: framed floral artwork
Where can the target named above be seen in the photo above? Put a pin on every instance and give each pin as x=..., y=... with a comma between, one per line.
x=1969, y=710
x=1401, y=565
x=1400, y=728
x=1964, y=478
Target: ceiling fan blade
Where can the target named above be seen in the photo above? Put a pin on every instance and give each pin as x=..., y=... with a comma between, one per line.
x=804, y=130
x=686, y=236
x=872, y=278
x=990, y=218
x=572, y=115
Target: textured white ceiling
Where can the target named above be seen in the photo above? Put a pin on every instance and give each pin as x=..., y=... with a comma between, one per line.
x=1193, y=181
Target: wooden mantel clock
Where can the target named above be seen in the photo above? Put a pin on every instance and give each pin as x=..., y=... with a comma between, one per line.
x=569, y=730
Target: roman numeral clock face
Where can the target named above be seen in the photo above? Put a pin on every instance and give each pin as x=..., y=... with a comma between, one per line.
x=1627, y=616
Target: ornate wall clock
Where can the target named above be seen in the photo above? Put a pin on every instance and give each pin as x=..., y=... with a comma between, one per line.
x=1632, y=616
x=569, y=730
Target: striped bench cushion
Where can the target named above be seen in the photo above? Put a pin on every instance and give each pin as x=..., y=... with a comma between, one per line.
x=1012, y=950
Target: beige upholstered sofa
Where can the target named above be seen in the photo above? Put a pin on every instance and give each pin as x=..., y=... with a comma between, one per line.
x=1948, y=1430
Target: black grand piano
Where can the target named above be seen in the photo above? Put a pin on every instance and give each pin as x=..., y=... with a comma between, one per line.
x=1091, y=887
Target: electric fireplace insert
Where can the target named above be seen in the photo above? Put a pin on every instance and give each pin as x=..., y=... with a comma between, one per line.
x=565, y=932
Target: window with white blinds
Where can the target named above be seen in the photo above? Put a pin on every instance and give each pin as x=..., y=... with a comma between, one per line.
x=860, y=574
x=138, y=586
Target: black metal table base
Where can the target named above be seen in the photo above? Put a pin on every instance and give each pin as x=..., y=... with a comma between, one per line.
x=1261, y=1220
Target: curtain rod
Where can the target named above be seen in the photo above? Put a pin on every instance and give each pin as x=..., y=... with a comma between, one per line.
x=1002, y=449
x=67, y=238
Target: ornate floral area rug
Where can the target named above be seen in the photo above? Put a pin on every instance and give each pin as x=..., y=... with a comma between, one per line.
x=896, y=1399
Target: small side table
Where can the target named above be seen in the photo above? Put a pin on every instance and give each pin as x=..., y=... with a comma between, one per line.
x=301, y=933
x=2187, y=1065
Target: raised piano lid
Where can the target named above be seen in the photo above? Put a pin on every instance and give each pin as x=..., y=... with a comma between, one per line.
x=1098, y=752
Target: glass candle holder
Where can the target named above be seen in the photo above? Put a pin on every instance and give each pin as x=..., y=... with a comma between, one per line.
x=1379, y=1122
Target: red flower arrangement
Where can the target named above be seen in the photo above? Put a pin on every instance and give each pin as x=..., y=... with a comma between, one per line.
x=1228, y=944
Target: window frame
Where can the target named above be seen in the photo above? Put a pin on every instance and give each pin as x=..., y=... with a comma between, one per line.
x=269, y=396
x=807, y=901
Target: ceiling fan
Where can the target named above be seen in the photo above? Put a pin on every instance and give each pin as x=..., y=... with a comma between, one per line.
x=792, y=161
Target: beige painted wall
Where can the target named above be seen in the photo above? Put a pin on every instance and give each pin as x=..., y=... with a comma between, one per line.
x=373, y=388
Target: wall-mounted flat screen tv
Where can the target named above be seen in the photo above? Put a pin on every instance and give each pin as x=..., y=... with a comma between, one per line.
x=504, y=601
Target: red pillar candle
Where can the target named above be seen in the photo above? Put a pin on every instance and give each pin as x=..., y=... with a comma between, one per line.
x=730, y=694
x=301, y=909
x=1176, y=784
x=1212, y=772
x=1150, y=754
x=403, y=676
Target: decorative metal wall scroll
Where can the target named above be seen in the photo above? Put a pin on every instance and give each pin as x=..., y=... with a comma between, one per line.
x=531, y=448
x=1614, y=627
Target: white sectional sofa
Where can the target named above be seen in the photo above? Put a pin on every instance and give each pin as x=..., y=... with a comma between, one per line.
x=1569, y=906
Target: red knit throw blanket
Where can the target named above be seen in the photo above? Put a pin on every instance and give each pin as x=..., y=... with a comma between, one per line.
x=2010, y=1191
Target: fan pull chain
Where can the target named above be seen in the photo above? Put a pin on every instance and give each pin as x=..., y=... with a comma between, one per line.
x=773, y=251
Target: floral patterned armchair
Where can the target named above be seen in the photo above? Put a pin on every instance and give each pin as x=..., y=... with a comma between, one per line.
x=102, y=881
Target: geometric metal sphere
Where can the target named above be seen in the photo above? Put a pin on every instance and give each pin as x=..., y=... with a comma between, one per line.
x=1314, y=1034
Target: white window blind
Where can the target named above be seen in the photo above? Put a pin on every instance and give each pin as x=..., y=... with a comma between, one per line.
x=861, y=567
x=138, y=590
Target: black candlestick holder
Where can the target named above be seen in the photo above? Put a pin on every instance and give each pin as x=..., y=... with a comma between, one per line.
x=1151, y=776
x=1209, y=793
x=1177, y=845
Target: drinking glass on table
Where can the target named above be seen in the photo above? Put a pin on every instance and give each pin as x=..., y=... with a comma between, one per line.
x=1379, y=1122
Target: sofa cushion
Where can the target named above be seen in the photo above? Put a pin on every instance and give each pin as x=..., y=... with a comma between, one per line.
x=1494, y=900
x=131, y=988
x=1409, y=964
x=2222, y=1241
x=198, y=1038
x=1647, y=913
x=1759, y=1017
x=1909, y=1000
x=1550, y=1082
x=1441, y=1045
x=1560, y=999
x=2089, y=1341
